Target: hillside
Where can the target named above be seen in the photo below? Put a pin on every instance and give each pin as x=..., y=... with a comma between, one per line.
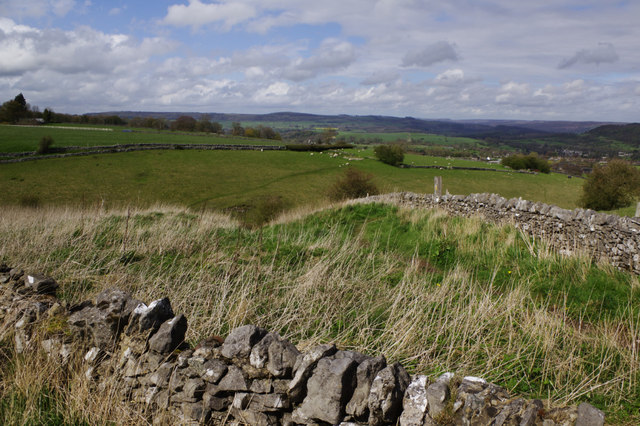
x=628, y=133
x=435, y=292
x=369, y=123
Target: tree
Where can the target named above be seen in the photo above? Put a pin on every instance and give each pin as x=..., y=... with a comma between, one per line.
x=184, y=123
x=14, y=110
x=237, y=129
x=612, y=186
x=531, y=162
x=392, y=154
x=47, y=115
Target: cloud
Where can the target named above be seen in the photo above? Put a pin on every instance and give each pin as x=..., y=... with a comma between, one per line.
x=292, y=62
x=36, y=8
x=62, y=7
x=197, y=14
x=452, y=77
x=437, y=52
x=380, y=77
x=603, y=53
x=25, y=49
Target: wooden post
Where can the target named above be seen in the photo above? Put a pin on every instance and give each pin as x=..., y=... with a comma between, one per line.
x=638, y=210
x=437, y=186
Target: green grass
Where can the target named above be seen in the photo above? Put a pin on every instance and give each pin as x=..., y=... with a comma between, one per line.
x=21, y=139
x=435, y=292
x=222, y=179
x=416, y=138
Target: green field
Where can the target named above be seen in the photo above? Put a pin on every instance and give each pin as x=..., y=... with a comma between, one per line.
x=22, y=139
x=412, y=138
x=222, y=179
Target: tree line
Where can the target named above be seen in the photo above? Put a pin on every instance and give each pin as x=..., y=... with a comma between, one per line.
x=18, y=111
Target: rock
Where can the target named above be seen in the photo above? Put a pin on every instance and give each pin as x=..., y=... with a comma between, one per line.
x=40, y=284
x=194, y=388
x=215, y=403
x=328, y=390
x=438, y=394
x=241, y=340
x=160, y=378
x=94, y=356
x=214, y=370
x=261, y=386
x=588, y=415
x=233, y=381
x=303, y=368
x=259, y=402
x=15, y=274
x=145, y=318
x=530, y=414
x=385, y=397
x=117, y=305
x=169, y=336
x=415, y=404
x=253, y=418
x=366, y=372
x=103, y=322
x=193, y=412
x=276, y=354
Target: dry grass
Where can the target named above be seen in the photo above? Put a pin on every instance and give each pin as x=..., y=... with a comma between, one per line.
x=354, y=277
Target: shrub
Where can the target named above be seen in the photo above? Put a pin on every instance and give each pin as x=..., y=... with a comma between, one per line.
x=352, y=184
x=392, y=154
x=44, y=146
x=612, y=186
x=531, y=162
x=262, y=210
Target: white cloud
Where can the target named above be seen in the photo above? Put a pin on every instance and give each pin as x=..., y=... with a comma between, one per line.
x=62, y=7
x=432, y=54
x=603, y=53
x=35, y=8
x=451, y=77
x=197, y=14
x=24, y=49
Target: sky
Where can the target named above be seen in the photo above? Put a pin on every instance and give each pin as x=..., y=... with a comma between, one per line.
x=458, y=59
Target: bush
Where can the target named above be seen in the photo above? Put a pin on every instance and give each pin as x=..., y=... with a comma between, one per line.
x=392, y=154
x=262, y=210
x=44, y=146
x=530, y=162
x=612, y=186
x=352, y=184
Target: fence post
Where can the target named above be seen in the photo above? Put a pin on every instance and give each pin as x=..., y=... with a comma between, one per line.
x=638, y=210
x=437, y=186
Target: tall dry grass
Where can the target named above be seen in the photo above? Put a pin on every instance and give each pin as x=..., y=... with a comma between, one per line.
x=361, y=277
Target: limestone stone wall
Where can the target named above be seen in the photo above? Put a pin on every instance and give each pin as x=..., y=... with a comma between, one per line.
x=603, y=236
x=136, y=352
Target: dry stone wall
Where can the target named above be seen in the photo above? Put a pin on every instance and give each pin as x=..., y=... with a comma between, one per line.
x=136, y=352
x=603, y=236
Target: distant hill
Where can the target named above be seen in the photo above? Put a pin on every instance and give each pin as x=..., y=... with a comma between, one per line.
x=627, y=133
x=371, y=123
x=544, y=126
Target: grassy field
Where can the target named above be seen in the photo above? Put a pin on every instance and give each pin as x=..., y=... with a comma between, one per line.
x=412, y=138
x=223, y=179
x=20, y=138
x=434, y=292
